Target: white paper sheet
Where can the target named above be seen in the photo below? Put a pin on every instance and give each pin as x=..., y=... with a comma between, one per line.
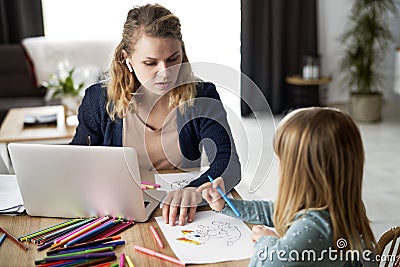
x=175, y=181
x=212, y=237
x=10, y=196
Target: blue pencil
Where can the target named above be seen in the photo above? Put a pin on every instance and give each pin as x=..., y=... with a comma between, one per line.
x=91, y=233
x=225, y=198
x=2, y=238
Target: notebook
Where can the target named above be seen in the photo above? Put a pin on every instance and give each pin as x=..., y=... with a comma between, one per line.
x=71, y=181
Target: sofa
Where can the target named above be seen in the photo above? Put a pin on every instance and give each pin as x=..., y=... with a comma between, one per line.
x=17, y=82
x=25, y=66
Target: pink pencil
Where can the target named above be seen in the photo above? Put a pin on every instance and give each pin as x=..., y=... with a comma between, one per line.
x=151, y=184
x=122, y=260
x=158, y=255
x=156, y=236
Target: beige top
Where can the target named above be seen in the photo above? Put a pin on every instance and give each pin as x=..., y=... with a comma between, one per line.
x=160, y=149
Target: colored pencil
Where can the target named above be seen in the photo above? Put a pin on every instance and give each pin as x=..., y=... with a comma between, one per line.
x=49, y=263
x=120, y=229
x=83, y=230
x=156, y=236
x=80, y=228
x=90, y=233
x=129, y=261
x=86, y=244
x=106, y=264
x=223, y=195
x=151, y=184
x=122, y=260
x=103, y=233
x=48, y=229
x=108, y=246
x=41, y=239
x=86, y=251
x=81, y=256
x=145, y=187
x=2, y=238
x=49, y=242
x=66, y=229
x=96, y=261
x=63, y=263
x=14, y=239
x=87, y=262
x=158, y=255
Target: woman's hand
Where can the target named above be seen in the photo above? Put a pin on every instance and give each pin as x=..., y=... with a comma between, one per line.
x=186, y=200
x=211, y=195
x=259, y=231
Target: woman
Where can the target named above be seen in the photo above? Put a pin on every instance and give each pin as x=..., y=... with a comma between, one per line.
x=152, y=102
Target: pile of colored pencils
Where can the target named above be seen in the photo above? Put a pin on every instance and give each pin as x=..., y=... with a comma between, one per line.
x=79, y=242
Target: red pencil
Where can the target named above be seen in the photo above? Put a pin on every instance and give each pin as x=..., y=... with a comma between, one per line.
x=13, y=239
x=118, y=230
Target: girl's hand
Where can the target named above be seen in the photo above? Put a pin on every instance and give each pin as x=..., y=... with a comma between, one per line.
x=182, y=204
x=259, y=231
x=211, y=195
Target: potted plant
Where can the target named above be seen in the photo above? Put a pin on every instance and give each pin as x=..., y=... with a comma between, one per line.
x=63, y=87
x=365, y=41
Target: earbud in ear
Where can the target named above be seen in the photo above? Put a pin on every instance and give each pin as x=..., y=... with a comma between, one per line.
x=128, y=65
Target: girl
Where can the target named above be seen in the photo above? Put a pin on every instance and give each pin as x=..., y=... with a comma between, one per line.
x=319, y=216
x=152, y=102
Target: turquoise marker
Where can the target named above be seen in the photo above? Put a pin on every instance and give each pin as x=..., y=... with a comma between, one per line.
x=225, y=198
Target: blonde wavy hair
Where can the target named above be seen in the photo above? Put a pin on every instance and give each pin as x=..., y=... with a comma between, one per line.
x=152, y=20
x=321, y=168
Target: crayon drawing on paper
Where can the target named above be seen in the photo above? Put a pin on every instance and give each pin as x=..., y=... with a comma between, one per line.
x=212, y=237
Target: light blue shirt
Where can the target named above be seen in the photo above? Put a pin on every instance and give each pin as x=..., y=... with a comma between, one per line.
x=307, y=242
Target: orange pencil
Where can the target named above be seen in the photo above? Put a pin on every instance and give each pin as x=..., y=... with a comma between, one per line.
x=84, y=230
x=14, y=239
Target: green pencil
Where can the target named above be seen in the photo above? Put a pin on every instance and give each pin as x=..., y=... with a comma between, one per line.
x=94, y=250
x=48, y=229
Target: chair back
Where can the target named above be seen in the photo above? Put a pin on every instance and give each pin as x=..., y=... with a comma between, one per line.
x=390, y=238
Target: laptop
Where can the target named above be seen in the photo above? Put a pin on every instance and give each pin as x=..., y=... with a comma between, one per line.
x=70, y=181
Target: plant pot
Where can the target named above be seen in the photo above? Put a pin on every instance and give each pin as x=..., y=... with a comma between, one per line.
x=366, y=107
x=71, y=105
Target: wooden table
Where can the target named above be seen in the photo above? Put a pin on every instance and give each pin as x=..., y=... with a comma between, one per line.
x=138, y=234
x=13, y=130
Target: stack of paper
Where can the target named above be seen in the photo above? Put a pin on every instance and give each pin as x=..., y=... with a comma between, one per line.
x=10, y=197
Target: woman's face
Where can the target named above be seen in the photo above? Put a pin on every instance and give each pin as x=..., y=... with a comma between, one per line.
x=152, y=60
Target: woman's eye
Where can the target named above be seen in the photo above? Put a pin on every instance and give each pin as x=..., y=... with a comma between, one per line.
x=149, y=63
x=172, y=59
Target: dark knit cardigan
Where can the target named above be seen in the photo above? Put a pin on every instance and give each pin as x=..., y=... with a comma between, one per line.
x=202, y=125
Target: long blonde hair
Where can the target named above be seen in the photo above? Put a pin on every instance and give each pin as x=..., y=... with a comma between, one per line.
x=153, y=20
x=321, y=168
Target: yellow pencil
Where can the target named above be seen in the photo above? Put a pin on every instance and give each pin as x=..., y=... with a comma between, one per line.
x=129, y=261
x=48, y=229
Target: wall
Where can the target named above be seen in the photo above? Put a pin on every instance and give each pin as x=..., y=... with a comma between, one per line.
x=332, y=19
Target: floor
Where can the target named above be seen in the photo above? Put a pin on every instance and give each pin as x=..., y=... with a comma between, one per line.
x=381, y=189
